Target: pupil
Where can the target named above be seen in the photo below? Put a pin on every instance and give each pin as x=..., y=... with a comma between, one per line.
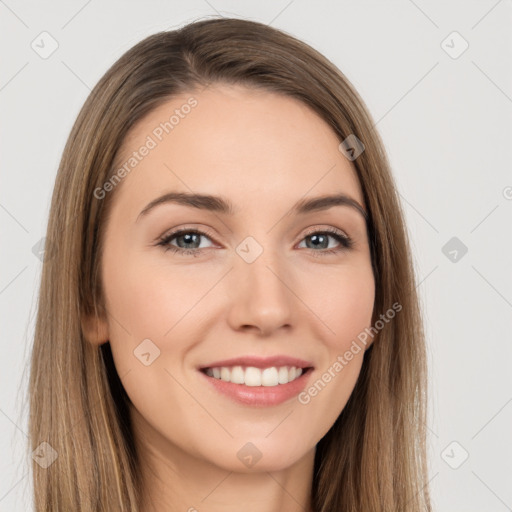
x=188, y=237
x=316, y=238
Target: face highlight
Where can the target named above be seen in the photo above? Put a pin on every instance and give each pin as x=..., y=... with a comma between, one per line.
x=236, y=250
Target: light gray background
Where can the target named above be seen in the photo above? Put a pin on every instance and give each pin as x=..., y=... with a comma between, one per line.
x=446, y=123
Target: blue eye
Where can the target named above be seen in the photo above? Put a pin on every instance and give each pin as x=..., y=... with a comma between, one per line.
x=320, y=238
x=191, y=238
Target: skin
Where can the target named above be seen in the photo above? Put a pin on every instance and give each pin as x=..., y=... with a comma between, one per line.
x=263, y=152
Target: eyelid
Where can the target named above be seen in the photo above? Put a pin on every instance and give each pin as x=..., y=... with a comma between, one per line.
x=329, y=229
x=186, y=229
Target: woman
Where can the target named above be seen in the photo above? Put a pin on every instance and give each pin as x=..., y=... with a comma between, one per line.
x=228, y=319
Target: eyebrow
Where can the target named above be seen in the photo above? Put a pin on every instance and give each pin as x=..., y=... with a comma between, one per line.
x=222, y=205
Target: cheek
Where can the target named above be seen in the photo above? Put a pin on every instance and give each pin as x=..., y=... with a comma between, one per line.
x=343, y=300
x=345, y=307
x=151, y=300
x=344, y=304
x=146, y=302
x=147, y=299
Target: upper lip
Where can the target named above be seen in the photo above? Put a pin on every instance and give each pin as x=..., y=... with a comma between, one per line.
x=261, y=362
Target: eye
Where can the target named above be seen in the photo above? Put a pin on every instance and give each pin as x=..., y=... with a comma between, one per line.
x=319, y=239
x=188, y=241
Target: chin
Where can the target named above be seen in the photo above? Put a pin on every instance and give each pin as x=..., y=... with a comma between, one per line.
x=260, y=455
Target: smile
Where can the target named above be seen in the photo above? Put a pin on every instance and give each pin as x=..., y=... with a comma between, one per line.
x=252, y=376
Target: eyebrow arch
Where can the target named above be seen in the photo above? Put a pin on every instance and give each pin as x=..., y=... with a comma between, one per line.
x=223, y=205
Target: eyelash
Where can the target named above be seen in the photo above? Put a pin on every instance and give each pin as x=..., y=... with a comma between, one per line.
x=345, y=241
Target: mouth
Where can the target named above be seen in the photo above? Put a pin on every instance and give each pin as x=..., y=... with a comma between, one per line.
x=252, y=376
x=257, y=381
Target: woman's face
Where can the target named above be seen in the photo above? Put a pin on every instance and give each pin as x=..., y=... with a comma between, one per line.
x=266, y=281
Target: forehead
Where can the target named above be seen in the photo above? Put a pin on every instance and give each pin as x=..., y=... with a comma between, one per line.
x=239, y=142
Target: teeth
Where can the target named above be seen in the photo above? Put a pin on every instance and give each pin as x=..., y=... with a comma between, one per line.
x=251, y=376
x=269, y=377
x=225, y=374
x=237, y=375
x=283, y=375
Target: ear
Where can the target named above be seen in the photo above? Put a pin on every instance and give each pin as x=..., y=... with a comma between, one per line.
x=95, y=329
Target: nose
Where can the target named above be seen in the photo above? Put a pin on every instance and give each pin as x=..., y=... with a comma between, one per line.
x=261, y=296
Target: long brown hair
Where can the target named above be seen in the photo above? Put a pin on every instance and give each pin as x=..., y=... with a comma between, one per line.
x=374, y=456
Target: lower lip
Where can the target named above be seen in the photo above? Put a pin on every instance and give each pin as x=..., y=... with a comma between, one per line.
x=260, y=396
